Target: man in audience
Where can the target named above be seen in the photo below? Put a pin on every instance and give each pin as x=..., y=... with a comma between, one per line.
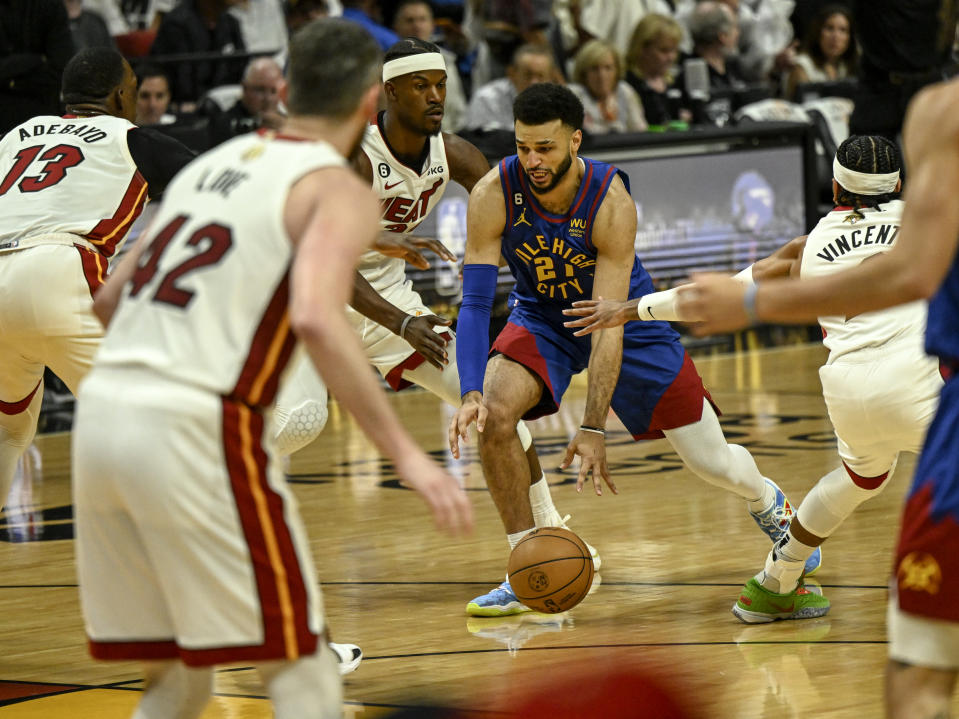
x=367, y=14
x=257, y=107
x=153, y=96
x=491, y=107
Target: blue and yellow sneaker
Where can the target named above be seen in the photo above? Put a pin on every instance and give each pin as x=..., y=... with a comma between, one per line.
x=775, y=521
x=500, y=602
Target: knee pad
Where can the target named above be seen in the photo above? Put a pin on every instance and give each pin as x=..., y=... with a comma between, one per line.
x=835, y=496
x=299, y=426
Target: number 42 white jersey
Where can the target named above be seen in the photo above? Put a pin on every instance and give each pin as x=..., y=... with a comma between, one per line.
x=208, y=303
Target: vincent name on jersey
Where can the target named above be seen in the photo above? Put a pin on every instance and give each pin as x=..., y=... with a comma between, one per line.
x=87, y=133
x=871, y=235
x=559, y=268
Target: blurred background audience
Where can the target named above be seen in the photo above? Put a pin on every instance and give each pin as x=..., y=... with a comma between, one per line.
x=610, y=103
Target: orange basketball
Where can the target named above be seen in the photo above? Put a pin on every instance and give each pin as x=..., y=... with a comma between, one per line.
x=550, y=570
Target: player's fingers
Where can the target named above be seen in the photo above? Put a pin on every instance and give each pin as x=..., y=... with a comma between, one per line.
x=417, y=259
x=585, y=468
x=454, y=439
x=437, y=320
x=589, y=329
x=575, y=311
x=481, y=418
x=568, y=459
x=440, y=249
x=607, y=477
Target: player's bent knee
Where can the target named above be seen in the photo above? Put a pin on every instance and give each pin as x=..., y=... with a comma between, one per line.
x=299, y=426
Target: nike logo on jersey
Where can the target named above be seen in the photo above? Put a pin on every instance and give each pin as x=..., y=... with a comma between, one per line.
x=390, y=187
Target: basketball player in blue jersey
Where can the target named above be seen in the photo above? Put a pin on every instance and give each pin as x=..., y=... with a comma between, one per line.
x=566, y=226
x=923, y=616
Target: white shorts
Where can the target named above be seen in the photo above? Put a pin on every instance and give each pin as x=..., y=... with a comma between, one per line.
x=389, y=352
x=881, y=402
x=46, y=316
x=189, y=541
x=921, y=641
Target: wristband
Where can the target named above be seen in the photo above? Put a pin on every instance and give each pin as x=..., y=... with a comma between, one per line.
x=594, y=430
x=749, y=304
x=406, y=321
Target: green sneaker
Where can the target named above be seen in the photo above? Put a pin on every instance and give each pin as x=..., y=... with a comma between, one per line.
x=758, y=605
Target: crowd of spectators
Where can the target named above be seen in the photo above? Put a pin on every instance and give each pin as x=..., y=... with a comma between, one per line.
x=213, y=67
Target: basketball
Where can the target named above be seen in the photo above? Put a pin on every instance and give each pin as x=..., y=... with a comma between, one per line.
x=550, y=570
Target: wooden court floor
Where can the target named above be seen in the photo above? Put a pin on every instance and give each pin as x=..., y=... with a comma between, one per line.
x=675, y=552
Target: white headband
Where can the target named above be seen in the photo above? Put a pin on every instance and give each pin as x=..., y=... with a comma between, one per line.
x=413, y=63
x=864, y=183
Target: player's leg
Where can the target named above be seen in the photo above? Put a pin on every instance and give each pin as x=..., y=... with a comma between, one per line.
x=445, y=385
x=307, y=688
x=916, y=691
x=172, y=689
x=301, y=406
x=19, y=413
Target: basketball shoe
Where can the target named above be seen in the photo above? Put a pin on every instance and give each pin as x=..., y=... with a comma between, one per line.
x=348, y=656
x=502, y=602
x=775, y=521
x=758, y=605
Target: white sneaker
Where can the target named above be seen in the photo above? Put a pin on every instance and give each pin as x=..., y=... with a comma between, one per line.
x=348, y=656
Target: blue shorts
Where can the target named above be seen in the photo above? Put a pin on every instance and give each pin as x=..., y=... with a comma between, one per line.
x=658, y=385
x=927, y=558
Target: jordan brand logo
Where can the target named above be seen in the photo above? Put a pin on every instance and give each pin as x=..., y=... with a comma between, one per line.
x=522, y=220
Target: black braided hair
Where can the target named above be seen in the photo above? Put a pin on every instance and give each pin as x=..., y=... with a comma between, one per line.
x=409, y=46
x=871, y=154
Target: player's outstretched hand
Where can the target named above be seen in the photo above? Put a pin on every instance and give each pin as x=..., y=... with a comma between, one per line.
x=591, y=448
x=716, y=299
x=419, y=333
x=408, y=247
x=471, y=410
x=598, y=314
x=452, y=511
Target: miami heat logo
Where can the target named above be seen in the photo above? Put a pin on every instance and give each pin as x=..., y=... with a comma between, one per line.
x=919, y=572
x=404, y=213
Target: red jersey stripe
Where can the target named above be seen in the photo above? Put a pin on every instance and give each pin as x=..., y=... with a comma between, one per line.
x=108, y=233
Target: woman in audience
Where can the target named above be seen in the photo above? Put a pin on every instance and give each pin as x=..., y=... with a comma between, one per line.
x=653, y=50
x=829, y=50
x=611, y=105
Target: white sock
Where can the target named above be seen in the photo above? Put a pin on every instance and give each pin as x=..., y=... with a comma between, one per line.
x=514, y=538
x=784, y=565
x=765, y=500
x=544, y=513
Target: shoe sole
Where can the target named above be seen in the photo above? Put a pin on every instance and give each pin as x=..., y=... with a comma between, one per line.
x=748, y=617
x=818, y=562
x=475, y=610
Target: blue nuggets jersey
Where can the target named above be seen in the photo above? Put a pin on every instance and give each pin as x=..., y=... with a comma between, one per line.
x=553, y=259
x=942, y=327
x=552, y=256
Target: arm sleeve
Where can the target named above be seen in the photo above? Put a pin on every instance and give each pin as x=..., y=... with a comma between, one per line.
x=472, y=327
x=158, y=157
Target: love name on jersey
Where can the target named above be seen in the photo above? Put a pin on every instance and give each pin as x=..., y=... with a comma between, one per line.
x=884, y=235
x=222, y=182
x=87, y=133
x=555, y=265
x=404, y=213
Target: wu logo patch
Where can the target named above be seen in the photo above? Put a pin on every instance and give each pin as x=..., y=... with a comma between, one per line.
x=522, y=220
